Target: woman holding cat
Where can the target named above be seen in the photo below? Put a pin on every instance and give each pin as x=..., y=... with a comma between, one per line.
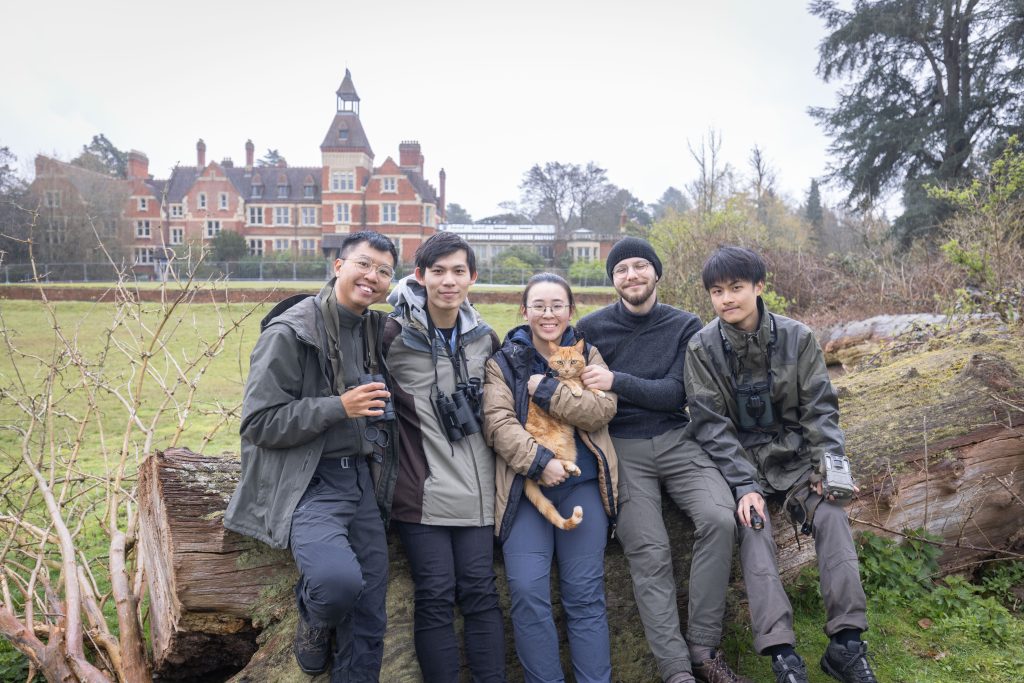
x=517, y=387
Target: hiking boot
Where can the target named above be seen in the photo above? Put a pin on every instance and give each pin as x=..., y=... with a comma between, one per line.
x=848, y=664
x=716, y=670
x=789, y=669
x=312, y=648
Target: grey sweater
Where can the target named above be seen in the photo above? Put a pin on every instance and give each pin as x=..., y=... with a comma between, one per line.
x=648, y=374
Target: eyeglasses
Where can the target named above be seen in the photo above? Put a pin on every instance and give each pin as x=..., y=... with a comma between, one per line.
x=556, y=309
x=365, y=265
x=639, y=268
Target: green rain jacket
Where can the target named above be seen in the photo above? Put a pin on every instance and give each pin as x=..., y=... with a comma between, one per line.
x=805, y=403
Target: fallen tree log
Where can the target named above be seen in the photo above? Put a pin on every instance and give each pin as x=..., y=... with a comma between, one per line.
x=932, y=429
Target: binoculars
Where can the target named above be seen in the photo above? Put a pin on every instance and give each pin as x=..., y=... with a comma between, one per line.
x=754, y=404
x=389, y=408
x=460, y=412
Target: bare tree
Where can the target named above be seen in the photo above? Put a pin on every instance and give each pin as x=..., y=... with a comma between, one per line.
x=762, y=182
x=83, y=406
x=714, y=179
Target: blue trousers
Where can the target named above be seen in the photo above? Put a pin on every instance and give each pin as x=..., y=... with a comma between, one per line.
x=339, y=546
x=531, y=545
x=455, y=564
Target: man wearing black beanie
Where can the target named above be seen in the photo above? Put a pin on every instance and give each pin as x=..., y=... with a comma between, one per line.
x=643, y=343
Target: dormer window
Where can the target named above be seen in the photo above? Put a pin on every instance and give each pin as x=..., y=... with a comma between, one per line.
x=308, y=189
x=343, y=134
x=389, y=184
x=257, y=191
x=282, y=191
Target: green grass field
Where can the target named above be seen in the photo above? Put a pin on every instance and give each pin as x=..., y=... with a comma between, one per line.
x=963, y=649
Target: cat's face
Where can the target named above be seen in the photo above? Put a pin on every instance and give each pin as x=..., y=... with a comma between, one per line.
x=567, y=361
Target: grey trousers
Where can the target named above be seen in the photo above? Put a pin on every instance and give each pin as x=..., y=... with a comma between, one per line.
x=694, y=483
x=771, y=615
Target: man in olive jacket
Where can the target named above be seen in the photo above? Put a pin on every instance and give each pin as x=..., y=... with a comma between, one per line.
x=763, y=407
x=310, y=435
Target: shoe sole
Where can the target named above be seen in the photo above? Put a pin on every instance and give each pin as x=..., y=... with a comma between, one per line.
x=310, y=672
x=829, y=670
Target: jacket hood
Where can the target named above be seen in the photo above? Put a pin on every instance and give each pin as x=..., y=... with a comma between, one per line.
x=409, y=299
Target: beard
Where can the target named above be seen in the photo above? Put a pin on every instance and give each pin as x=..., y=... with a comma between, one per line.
x=640, y=297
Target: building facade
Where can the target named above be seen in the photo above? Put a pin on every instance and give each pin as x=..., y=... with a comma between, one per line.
x=282, y=211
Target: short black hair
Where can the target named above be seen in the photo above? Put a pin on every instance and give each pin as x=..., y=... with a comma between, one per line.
x=730, y=263
x=549, y=277
x=373, y=238
x=442, y=244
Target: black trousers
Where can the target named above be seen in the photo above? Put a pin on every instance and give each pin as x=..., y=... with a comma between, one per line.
x=340, y=548
x=455, y=565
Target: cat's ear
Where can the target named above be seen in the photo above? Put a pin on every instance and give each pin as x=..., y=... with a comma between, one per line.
x=580, y=345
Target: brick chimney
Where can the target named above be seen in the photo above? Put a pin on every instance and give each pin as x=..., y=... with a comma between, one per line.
x=441, y=210
x=201, y=154
x=623, y=219
x=138, y=165
x=250, y=151
x=409, y=156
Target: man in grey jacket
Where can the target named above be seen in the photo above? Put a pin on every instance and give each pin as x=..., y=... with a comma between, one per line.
x=312, y=429
x=764, y=409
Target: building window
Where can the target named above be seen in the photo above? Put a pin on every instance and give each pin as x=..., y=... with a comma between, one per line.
x=143, y=230
x=143, y=203
x=309, y=215
x=177, y=235
x=343, y=134
x=257, y=191
x=282, y=244
x=177, y=211
x=282, y=215
x=222, y=201
x=202, y=200
x=307, y=191
x=389, y=185
x=428, y=216
x=51, y=199
x=389, y=213
x=343, y=181
x=342, y=213
x=282, y=192
x=255, y=247
x=212, y=229
x=255, y=215
x=143, y=255
x=308, y=246
x=109, y=227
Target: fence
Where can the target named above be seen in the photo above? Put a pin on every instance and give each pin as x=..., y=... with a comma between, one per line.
x=255, y=271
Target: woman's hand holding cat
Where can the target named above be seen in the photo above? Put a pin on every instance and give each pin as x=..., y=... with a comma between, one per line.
x=554, y=472
x=597, y=377
x=533, y=383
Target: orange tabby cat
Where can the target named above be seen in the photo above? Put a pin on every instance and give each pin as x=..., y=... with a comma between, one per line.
x=567, y=362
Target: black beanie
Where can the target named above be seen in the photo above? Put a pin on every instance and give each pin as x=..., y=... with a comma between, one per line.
x=628, y=247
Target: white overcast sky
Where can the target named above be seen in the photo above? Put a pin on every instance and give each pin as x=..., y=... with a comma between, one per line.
x=487, y=88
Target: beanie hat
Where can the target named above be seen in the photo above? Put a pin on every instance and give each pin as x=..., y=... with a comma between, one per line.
x=629, y=247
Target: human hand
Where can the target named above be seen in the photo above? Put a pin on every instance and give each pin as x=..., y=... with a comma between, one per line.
x=365, y=400
x=597, y=377
x=554, y=473
x=817, y=488
x=743, y=507
x=533, y=383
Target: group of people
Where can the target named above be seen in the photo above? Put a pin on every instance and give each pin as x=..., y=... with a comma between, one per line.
x=354, y=419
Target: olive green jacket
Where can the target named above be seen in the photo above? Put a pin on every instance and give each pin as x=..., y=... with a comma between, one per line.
x=805, y=403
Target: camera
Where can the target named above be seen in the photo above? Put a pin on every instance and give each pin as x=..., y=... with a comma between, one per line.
x=754, y=403
x=389, y=409
x=836, y=478
x=460, y=412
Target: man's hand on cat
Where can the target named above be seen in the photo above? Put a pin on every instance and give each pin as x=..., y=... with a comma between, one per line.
x=554, y=472
x=531, y=386
x=597, y=377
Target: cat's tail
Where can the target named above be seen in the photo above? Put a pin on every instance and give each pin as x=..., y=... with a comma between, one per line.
x=545, y=507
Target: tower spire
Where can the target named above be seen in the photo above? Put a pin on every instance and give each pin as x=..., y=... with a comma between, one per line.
x=348, y=98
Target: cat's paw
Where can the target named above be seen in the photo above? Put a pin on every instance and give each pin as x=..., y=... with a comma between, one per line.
x=572, y=468
x=600, y=394
x=576, y=391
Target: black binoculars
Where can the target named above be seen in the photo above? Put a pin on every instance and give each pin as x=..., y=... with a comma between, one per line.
x=460, y=412
x=754, y=403
x=389, y=409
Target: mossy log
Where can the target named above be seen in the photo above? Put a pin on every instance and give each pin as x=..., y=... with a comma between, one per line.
x=931, y=429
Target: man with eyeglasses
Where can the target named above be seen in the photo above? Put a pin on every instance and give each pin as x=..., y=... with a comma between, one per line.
x=313, y=428
x=643, y=342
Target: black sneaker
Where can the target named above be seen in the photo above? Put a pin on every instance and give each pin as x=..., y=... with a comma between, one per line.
x=848, y=664
x=312, y=648
x=789, y=669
